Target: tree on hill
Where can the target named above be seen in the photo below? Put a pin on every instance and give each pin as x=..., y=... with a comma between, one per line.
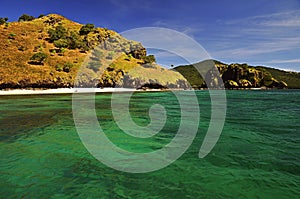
x=61, y=38
x=61, y=43
x=149, y=59
x=74, y=41
x=86, y=29
x=26, y=17
x=39, y=58
x=3, y=20
x=59, y=32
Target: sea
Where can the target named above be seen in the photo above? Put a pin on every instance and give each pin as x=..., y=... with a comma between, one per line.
x=257, y=154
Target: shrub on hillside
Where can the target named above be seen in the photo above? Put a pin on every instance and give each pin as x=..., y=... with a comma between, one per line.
x=86, y=29
x=59, y=32
x=84, y=47
x=11, y=36
x=58, y=68
x=61, y=43
x=74, y=41
x=39, y=57
x=3, y=20
x=26, y=17
x=65, y=68
x=61, y=38
x=149, y=59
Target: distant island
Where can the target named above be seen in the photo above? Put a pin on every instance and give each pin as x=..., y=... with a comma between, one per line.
x=241, y=76
x=54, y=52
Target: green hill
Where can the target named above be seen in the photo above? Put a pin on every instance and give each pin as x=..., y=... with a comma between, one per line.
x=240, y=75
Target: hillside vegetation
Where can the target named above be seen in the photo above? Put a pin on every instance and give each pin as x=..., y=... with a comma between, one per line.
x=239, y=75
x=54, y=52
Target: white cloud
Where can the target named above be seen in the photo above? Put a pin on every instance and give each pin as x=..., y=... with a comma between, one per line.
x=259, y=48
x=171, y=43
x=281, y=19
x=276, y=61
x=259, y=35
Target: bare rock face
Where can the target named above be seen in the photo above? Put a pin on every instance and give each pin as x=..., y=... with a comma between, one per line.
x=237, y=73
x=246, y=76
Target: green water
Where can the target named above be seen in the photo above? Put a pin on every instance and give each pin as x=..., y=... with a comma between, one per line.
x=257, y=155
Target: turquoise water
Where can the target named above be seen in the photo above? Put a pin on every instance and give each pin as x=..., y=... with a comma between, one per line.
x=257, y=155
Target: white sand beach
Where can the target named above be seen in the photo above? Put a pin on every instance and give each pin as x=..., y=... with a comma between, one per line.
x=64, y=91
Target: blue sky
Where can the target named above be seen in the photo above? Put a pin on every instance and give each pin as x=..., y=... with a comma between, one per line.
x=258, y=32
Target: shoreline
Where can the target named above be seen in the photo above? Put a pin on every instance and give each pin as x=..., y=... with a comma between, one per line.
x=13, y=92
x=95, y=90
x=63, y=91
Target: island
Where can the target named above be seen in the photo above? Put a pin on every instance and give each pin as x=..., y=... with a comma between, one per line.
x=51, y=52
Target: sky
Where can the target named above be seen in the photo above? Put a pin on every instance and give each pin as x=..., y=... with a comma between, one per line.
x=257, y=32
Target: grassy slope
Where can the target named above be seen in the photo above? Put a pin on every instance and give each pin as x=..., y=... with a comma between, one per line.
x=20, y=40
x=30, y=36
x=155, y=72
x=192, y=72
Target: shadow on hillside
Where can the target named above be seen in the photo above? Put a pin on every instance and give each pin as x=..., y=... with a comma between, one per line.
x=35, y=63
